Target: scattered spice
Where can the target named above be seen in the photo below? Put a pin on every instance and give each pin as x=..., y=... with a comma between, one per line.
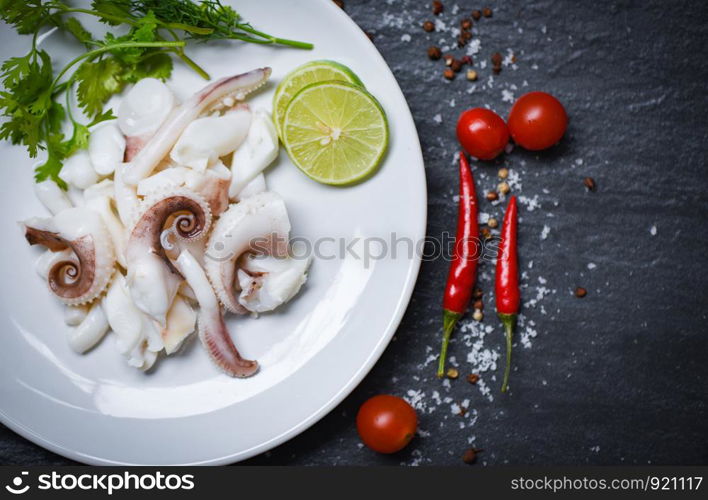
x=461, y=42
x=370, y=35
x=590, y=183
x=492, y=196
x=448, y=59
x=486, y=233
x=492, y=222
x=580, y=292
x=466, y=24
x=477, y=294
x=476, y=15
x=496, y=59
x=456, y=65
x=477, y=315
x=339, y=3
x=496, y=69
x=466, y=35
x=471, y=75
x=478, y=304
x=434, y=53
x=428, y=26
x=449, y=74
x=463, y=411
x=452, y=373
x=467, y=60
x=470, y=456
x=437, y=8
x=503, y=173
x=504, y=187
x=487, y=12
x=472, y=378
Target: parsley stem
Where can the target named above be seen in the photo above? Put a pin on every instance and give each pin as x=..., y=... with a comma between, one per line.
x=107, y=17
x=107, y=48
x=126, y=20
x=186, y=27
x=272, y=39
x=190, y=62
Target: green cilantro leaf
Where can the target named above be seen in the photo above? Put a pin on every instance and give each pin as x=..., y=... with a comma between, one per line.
x=74, y=26
x=112, y=8
x=98, y=81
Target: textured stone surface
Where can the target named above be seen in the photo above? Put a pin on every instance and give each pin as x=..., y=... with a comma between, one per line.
x=619, y=376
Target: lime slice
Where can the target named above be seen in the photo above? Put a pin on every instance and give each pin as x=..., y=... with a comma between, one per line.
x=335, y=132
x=312, y=72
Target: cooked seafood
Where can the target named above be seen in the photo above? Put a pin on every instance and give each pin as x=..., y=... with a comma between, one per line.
x=146, y=242
x=217, y=95
x=258, y=151
x=257, y=224
x=81, y=276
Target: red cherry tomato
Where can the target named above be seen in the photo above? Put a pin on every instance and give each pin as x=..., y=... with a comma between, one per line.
x=537, y=121
x=482, y=133
x=386, y=423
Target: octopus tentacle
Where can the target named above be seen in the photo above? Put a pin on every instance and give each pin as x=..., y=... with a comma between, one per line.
x=212, y=96
x=258, y=224
x=85, y=272
x=168, y=220
x=213, y=333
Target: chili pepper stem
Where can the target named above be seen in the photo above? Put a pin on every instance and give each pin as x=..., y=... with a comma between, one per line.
x=449, y=321
x=509, y=321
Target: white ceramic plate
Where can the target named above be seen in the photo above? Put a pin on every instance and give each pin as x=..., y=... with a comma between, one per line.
x=95, y=409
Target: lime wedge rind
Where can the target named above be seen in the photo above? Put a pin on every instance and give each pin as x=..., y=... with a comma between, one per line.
x=357, y=154
x=311, y=72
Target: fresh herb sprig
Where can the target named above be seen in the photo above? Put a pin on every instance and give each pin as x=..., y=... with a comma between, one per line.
x=32, y=100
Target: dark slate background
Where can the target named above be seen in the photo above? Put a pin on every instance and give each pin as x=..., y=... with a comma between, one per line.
x=626, y=367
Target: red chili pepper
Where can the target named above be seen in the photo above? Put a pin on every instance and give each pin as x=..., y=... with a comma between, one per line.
x=506, y=286
x=463, y=269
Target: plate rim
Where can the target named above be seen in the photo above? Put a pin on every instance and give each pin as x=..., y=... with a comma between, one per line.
x=357, y=377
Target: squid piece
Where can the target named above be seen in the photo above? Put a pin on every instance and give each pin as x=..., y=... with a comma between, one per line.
x=212, y=184
x=136, y=336
x=207, y=139
x=258, y=151
x=90, y=331
x=267, y=282
x=52, y=196
x=213, y=333
x=211, y=97
x=145, y=107
x=106, y=148
x=165, y=180
x=74, y=315
x=83, y=275
x=258, y=224
x=181, y=322
x=99, y=198
x=126, y=198
x=78, y=171
x=257, y=185
x=180, y=215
